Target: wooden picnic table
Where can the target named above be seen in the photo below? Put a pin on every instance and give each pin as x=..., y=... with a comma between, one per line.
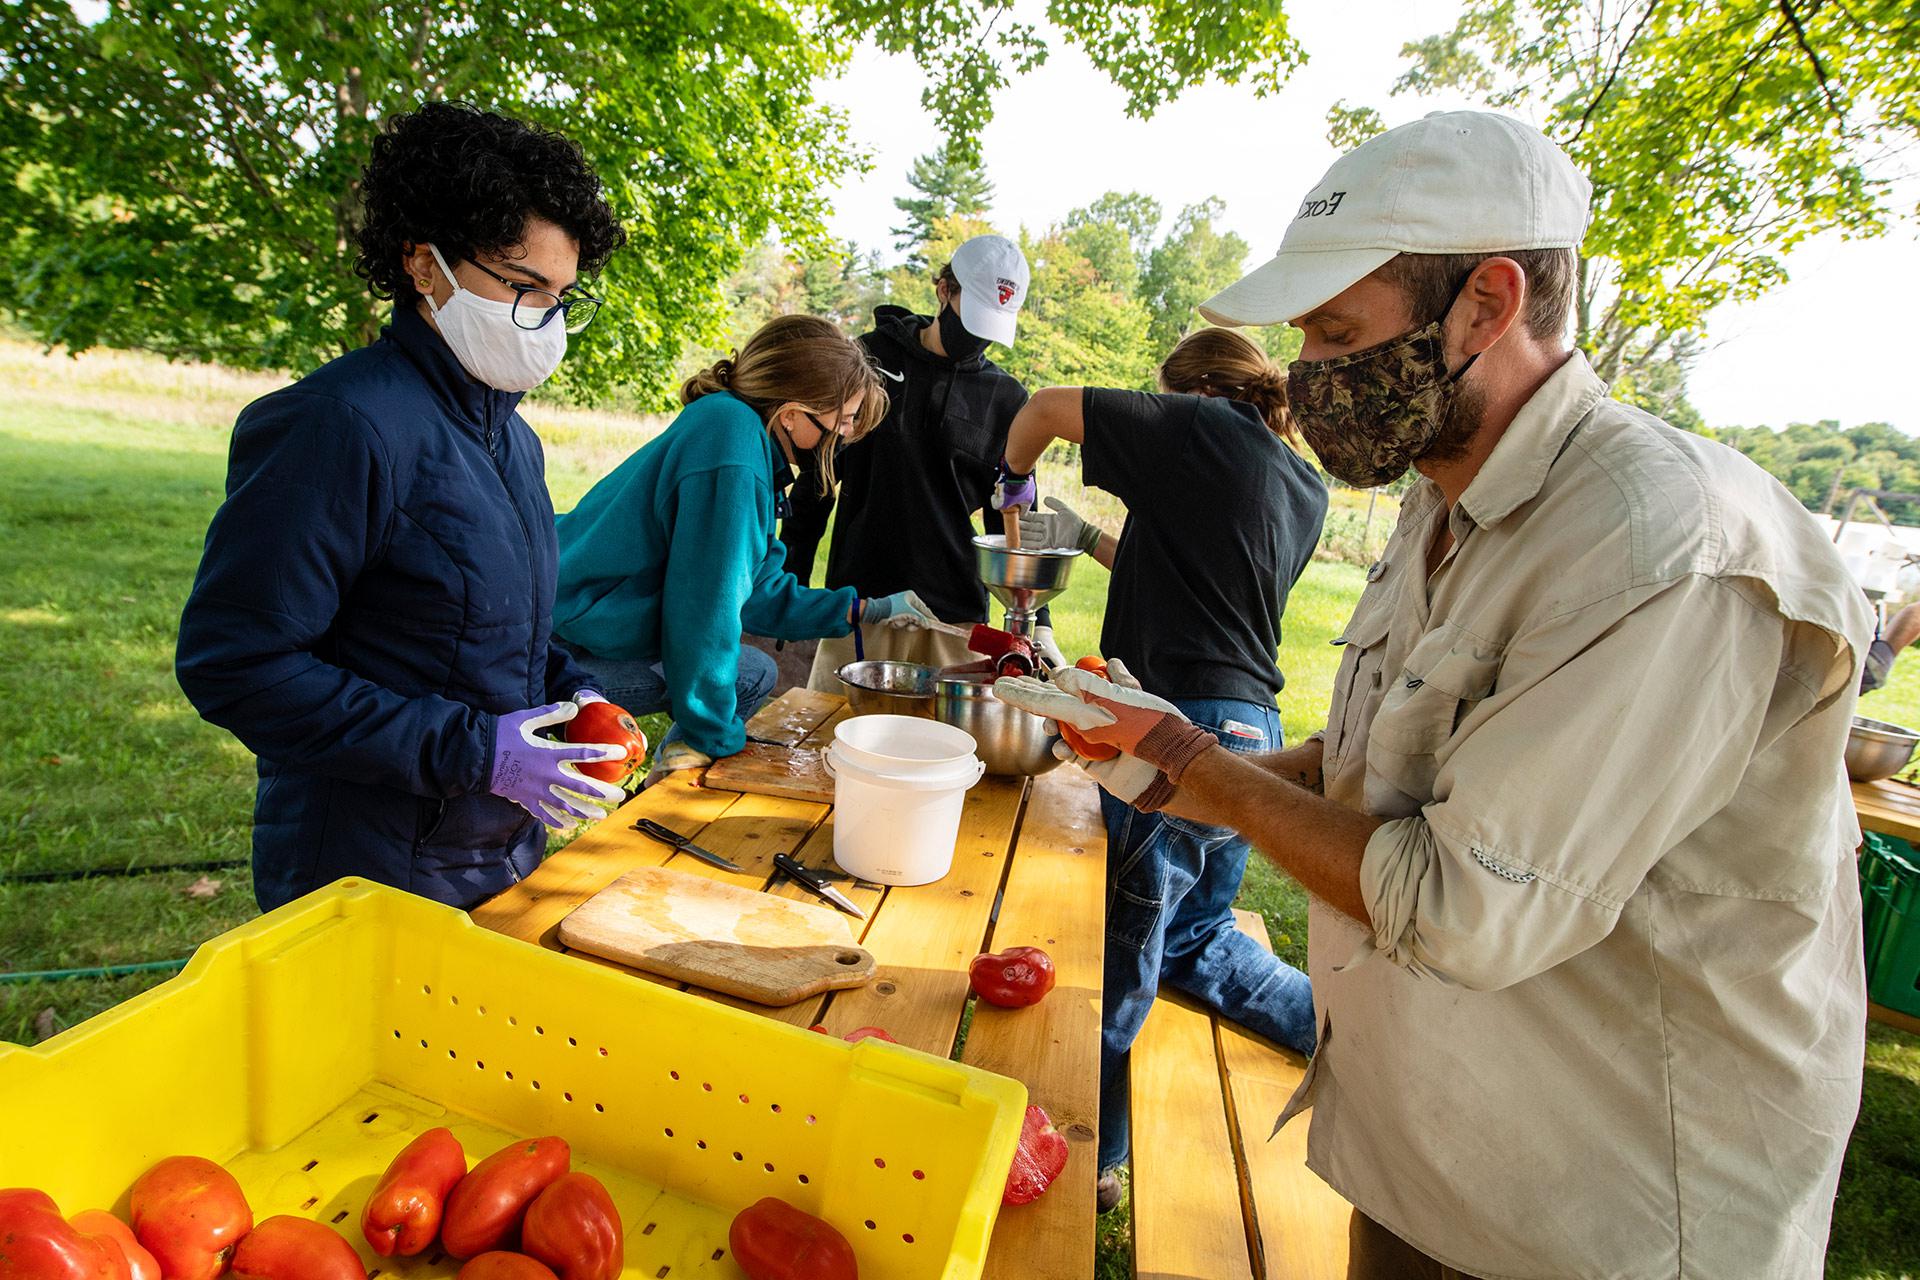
x=1892, y=808
x=1033, y=848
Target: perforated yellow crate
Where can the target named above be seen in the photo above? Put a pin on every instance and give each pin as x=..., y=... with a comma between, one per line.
x=305, y=1049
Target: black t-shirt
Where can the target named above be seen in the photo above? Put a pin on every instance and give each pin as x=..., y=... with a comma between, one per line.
x=1221, y=519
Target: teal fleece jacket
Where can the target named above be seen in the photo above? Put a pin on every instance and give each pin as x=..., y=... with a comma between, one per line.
x=673, y=557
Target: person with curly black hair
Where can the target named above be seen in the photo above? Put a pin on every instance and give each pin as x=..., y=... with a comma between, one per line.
x=373, y=612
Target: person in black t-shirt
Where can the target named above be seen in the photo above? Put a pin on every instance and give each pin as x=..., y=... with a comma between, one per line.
x=909, y=493
x=1222, y=517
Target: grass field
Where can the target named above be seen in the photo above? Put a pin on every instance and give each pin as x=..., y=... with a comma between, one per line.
x=113, y=465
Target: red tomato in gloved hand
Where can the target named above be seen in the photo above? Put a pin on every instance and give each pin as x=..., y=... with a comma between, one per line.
x=1037, y=1161
x=115, y=1234
x=402, y=1216
x=772, y=1240
x=1088, y=750
x=189, y=1213
x=505, y=1266
x=613, y=725
x=858, y=1034
x=36, y=1243
x=1012, y=979
x=573, y=1227
x=489, y=1202
x=290, y=1248
x=1095, y=663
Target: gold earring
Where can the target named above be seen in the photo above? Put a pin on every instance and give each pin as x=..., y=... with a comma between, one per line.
x=423, y=283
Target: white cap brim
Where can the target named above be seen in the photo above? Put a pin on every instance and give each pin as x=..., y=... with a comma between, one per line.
x=1290, y=285
x=984, y=320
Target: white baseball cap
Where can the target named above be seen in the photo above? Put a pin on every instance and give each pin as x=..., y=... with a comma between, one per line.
x=993, y=283
x=1455, y=182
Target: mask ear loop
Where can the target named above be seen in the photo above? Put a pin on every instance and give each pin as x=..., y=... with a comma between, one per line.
x=1441, y=320
x=446, y=271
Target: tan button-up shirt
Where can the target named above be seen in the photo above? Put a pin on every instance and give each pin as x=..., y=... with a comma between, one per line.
x=1609, y=1018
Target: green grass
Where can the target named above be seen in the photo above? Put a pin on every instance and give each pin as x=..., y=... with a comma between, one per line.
x=113, y=466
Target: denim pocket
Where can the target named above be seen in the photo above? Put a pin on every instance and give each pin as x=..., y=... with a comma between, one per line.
x=1138, y=898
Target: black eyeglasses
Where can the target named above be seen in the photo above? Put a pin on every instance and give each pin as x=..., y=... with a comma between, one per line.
x=534, y=306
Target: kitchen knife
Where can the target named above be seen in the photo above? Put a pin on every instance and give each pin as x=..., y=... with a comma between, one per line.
x=667, y=835
x=815, y=883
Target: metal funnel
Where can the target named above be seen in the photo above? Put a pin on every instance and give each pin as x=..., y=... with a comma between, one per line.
x=1021, y=579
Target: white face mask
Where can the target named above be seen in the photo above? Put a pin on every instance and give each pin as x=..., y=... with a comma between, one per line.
x=489, y=345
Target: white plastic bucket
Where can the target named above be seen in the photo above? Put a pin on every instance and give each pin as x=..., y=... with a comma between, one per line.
x=897, y=793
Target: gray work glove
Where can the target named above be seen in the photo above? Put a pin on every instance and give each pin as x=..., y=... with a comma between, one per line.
x=1060, y=527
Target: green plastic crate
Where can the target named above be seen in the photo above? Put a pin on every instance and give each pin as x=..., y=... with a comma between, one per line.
x=1890, y=901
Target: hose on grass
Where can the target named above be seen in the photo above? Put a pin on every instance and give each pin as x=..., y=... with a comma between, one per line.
x=97, y=971
x=119, y=873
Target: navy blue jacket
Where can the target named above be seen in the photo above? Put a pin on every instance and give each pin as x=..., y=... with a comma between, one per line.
x=376, y=588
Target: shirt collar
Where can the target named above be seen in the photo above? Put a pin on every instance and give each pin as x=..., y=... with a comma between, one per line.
x=1513, y=473
x=470, y=400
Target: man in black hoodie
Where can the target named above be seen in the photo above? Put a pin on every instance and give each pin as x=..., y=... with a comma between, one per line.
x=910, y=490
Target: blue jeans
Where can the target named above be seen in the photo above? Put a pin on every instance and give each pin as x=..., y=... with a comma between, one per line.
x=641, y=687
x=1170, y=890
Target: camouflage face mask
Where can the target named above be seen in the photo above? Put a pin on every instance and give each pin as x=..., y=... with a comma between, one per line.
x=1370, y=414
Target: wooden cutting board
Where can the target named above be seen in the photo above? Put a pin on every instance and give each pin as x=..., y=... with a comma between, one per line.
x=761, y=768
x=770, y=950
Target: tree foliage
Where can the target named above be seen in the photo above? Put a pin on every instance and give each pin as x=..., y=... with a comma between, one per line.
x=1718, y=134
x=944, y=186
x=181, y=176
x=1821, y=463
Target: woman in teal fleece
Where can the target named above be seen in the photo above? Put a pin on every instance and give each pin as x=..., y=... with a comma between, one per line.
x=669, y=560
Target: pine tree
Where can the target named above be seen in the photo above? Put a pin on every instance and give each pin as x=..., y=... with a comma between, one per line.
x=947, y=188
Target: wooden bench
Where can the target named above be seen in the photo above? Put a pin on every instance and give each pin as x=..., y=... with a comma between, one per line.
x=1212, y=1197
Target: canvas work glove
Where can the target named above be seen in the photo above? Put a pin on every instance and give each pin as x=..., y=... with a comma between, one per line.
x=1047, y=649
x=1061, y=526
x=541, y=775
x=1156, y=741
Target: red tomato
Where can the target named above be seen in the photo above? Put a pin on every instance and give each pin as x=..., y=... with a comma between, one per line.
x=403, y=1214
x=505, y=1266
x=489, y=1202
x=36, y=1243
x=116, y=1234
x=573, y=1227
x=1095, y=663
x=772, y=1240
x=1038, y=1160
x=1012, y=979
x=858, y=1034
x=289, y=1248
x=189, y=1213
x=611, y=724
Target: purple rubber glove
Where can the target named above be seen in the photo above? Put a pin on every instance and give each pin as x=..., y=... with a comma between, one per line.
x=539, y=773
x=1011, y=489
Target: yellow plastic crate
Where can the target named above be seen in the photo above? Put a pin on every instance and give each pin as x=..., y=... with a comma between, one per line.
x=305, y=1049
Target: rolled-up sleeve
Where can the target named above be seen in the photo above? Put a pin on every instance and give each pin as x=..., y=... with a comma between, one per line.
x=1608, y=740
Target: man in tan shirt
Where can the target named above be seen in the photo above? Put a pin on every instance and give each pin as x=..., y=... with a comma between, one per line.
x=1585, y=931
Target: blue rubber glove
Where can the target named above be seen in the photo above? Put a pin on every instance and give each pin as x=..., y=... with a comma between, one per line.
x=1012, y=489
x=899, y=610
x=539, y=773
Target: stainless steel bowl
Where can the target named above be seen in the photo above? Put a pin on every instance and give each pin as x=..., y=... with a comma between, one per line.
x=889, y=688
x=1876, y=749
x=1011, y=742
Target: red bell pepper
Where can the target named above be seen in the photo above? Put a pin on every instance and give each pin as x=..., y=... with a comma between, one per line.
x=573, y=1227
x=1038, y=1160
x=289, y=1248
x=489, y=1202
x=189, y=1213
x=36, y=1243
x=1012, y=979
x=772, y=1240
x=403, y=1214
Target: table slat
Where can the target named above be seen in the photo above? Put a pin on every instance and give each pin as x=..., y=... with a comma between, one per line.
x=1186, y=1201
x=1055, y=890
x=1296, y=1223
x=1889, y=807
x=925, y=936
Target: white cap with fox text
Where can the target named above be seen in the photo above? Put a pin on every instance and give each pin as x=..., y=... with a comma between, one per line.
x=1455, y=182
x=993, y=283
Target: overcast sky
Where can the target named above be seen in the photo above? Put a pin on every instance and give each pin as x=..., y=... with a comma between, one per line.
x=1836, y=342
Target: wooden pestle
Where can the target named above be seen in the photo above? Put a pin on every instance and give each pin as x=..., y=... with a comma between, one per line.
x=1010, y=519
